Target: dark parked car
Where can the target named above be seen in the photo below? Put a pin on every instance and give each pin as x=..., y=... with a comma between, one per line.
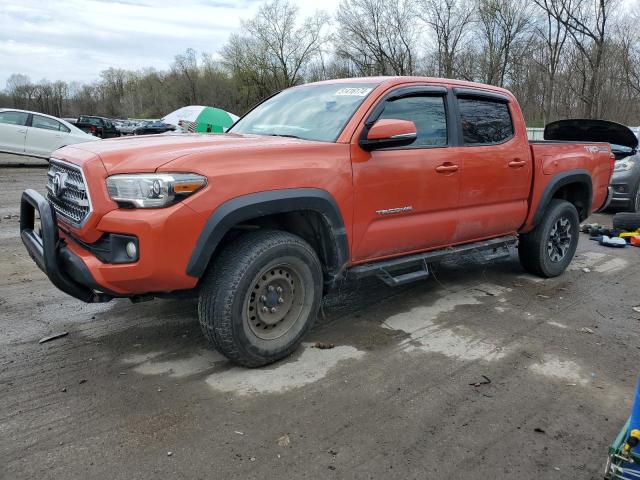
x=98, y=126
x=150, y=128
x=625, y=182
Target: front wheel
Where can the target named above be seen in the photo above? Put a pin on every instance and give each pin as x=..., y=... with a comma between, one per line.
x=548, y=249
x=261, y=296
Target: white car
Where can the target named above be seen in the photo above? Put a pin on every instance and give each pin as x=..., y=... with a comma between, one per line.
x=36, y=134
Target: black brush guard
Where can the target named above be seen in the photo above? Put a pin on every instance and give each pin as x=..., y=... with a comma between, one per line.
x=64, y=268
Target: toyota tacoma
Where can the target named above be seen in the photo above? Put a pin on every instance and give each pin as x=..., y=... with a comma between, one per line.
x=342, y=178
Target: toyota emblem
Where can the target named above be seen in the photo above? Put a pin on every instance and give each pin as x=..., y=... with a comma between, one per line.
x=58, y=183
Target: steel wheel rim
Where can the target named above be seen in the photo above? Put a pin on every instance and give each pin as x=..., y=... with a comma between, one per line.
x=275, y=301
x=559, y=240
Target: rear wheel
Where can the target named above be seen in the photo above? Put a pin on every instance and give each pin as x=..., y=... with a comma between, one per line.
x=261, y=296
x=548, y=249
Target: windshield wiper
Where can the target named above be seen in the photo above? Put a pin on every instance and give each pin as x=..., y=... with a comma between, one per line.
x=282, y=135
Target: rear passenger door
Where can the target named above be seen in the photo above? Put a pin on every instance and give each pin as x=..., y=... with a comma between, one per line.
x=13, y=131
x=45, y=135
x=496, y=167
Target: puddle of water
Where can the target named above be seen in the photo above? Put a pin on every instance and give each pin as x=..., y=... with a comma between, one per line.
x=310, y=366
x=612, y=266
x=180, y=367
x=555, y=368
x=531, y=278
x=140, y=357
x=557, y=324
x=458, y=342
x=586, y=260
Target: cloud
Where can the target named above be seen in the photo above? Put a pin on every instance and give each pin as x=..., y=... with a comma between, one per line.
x=76, y=39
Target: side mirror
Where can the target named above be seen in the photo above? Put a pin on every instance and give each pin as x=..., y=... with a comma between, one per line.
x=389, y=132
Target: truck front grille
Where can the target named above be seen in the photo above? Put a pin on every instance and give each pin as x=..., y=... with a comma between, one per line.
x=67, y=192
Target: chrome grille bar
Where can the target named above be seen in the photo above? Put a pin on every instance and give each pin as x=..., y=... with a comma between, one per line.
x=67, y=192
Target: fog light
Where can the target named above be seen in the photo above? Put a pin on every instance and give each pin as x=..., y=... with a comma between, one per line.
x=131, y=249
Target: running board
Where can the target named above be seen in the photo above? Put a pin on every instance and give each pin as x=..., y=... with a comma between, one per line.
x=386, y=269
x=394, y=280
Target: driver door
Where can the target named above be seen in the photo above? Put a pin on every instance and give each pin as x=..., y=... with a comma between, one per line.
x=406, y=198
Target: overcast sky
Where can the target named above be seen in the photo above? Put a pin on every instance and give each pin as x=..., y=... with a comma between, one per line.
x=76, y=39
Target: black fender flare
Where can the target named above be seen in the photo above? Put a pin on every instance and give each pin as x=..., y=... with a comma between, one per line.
x=246, y=207
x=559, y=180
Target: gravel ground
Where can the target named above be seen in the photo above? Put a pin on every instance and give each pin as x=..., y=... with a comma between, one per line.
x=480, y=372
x=11, y=160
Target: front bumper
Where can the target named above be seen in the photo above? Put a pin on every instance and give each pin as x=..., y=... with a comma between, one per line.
x=64, y=268
x=607, y=201
x=624, y=186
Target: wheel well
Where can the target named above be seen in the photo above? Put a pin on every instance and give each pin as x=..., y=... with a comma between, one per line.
x=309, y=225
x=578, y=194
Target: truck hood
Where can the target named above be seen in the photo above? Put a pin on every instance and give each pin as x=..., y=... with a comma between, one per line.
x=585, y=130
x=142, y=154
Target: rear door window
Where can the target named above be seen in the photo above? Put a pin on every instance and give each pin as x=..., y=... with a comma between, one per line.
x=427, y=112
x=14, y=118
x=46, y=123
x=484, y=121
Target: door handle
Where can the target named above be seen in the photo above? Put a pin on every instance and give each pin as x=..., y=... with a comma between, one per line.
x=22, y=131
x=517, y=163
x=447, y=168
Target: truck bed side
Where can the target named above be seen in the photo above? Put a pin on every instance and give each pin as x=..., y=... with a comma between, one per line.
x=562, y=169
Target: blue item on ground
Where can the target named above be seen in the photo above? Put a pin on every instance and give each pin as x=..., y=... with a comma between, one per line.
x=615, y=242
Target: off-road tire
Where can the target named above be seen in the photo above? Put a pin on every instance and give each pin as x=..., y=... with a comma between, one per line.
x=626, y=221
x=533, y=248
x=227, y=292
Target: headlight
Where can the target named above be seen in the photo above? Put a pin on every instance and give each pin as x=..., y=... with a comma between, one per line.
x=624, y=165
x=153, y=190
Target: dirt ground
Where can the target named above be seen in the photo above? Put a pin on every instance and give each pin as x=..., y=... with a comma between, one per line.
x=480, y=372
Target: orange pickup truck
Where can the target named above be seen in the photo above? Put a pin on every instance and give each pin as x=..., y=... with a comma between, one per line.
x=343, y=178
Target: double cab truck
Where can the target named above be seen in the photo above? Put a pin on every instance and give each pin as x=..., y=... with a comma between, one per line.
x=342, y=178
x=98, y=126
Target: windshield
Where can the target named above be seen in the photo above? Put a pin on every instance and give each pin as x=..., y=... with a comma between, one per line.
x=90, y=120
x=311, y=112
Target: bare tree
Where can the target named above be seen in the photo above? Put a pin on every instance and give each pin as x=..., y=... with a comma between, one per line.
x=275, y=50
x=378, y=37
x=21, y=90
x=185, y=66
x=587, y=23
x=450, y=21
x=288, y=47
x=553, y=35
x=545, y=51
x=504, y=27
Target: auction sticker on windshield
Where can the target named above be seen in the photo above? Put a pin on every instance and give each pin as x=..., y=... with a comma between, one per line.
x=353, y=91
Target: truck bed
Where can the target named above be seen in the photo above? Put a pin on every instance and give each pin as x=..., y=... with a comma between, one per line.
x=556, y=158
